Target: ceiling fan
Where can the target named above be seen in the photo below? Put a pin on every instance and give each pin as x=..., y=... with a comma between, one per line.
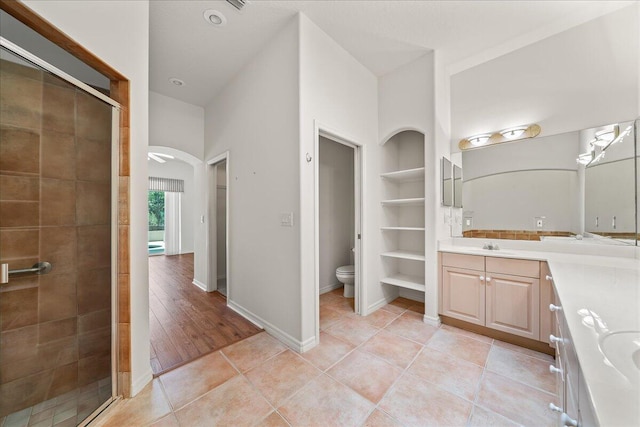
x=159, y=157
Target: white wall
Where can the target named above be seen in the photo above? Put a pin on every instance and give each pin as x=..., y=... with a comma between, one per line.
x=176, y=124
x=177, y=169
x=336, y=210
x=583, y=77
x=340, y=95
x=255, y=118
x=125, y=47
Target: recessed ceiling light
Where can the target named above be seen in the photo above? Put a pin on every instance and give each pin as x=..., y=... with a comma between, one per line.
x=214, y=17
x=177, y=82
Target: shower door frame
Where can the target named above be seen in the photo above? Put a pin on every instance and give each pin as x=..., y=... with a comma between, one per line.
x=120, y=184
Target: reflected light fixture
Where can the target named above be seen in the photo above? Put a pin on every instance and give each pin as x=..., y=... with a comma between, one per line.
x=506, y=135
x=605, y=136
x=159, y=157
x=586, y=158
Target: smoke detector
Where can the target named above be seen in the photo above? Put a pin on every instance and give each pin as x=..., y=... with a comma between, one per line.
x=214, y=18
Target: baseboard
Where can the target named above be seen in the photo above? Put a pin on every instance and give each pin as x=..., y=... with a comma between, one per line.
x=279, y=334
x=329, y=288
x=200, y=285
x=412, y=294
x=140, y=383
x=433, y=321
x=378, y=304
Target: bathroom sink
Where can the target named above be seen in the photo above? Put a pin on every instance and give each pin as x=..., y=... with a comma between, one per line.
x=622, y=350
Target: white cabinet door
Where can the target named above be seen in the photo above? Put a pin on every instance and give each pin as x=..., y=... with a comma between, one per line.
x=463, y=294
x=513, y=304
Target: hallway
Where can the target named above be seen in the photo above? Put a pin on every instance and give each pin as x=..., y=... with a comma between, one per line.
x=184, y=321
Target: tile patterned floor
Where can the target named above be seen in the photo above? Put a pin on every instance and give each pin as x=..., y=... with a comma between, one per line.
x=66, y=410
x=387, y=369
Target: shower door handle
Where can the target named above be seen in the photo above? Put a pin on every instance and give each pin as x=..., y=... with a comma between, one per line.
x=39, y=268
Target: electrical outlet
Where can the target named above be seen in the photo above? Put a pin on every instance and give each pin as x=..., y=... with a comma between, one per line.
x=540, y=222
x=286, y=219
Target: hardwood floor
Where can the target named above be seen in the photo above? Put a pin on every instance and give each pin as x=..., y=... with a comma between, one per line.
x=186, y=322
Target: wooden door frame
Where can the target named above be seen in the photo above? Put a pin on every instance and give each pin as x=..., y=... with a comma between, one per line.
x=119, y=91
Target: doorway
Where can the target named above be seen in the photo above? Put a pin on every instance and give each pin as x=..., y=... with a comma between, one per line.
x=218, y=225
x=338, y=224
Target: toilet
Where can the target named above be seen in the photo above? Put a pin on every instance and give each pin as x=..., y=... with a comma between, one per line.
x=346, y=275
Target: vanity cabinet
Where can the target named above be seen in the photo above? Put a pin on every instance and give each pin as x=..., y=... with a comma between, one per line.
x=572, y=403
x=498, y=293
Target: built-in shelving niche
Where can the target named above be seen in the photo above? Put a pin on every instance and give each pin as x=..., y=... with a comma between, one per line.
x=402, y=199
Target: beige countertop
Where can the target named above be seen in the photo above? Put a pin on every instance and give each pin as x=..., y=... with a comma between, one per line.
x=608, y=286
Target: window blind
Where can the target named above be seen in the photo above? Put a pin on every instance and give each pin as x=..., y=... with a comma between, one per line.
x=166, y=184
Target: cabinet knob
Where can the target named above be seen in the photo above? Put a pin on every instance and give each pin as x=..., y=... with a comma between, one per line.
x=488, y=279
x=554, y=408
x=566, y=420
x=553, y=307
x=549, y=278
x=553, y=338
x=482, y=278
x=554, y=370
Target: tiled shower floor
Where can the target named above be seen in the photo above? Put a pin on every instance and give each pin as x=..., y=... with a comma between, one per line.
x=66, y=410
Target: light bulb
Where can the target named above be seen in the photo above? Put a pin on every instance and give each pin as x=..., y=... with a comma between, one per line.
x=513, y=133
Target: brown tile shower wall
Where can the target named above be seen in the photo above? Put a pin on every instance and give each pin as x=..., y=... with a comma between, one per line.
x=55, y=152
x=513, y=234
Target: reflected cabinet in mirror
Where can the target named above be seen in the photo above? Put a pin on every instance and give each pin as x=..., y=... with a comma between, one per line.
x=567, y=186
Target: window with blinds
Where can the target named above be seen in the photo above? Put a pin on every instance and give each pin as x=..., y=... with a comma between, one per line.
x=166, y=184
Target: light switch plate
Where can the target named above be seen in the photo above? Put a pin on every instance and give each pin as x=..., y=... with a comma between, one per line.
x=286, y=219
x=539, y=221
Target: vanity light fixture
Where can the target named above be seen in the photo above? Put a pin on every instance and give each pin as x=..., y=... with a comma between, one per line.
x=479, y=140
x=506, y=135
x=513, y=133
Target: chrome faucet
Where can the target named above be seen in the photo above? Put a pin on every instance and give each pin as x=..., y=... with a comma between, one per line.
x=490, y=246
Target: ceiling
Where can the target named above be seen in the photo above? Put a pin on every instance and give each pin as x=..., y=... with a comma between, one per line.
x=382, y=35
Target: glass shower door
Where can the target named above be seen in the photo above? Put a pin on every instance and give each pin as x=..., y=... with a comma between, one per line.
x=55, y=208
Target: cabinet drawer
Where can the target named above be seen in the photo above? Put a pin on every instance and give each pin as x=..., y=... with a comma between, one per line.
x=469, y=262
x=516, y=267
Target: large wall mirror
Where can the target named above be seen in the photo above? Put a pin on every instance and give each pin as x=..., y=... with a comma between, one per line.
x=537, y=189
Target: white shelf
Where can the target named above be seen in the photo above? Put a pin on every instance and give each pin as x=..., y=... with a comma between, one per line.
x=419, y=201
x=402, y=228
x=411, y=255
x=405, y=281
x=407, y=175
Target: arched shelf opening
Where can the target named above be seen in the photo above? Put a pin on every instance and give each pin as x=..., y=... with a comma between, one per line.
x=403, y=210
